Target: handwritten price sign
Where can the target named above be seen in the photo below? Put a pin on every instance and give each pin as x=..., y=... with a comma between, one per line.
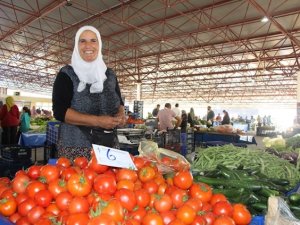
x=113, y=157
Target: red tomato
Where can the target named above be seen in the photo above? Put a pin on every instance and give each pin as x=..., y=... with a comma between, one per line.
x=223, y=208
x=127, y=198
x=224, y=220
x=209, y=217
x=168, y=216
x=241, y=214
x=183, y=179
x=14, y=217
x=139, y=162
x=163, y=203
x=194, y=203
x=126, y=184
x=176, y=222
x=35, y=214
x=67, y=173
x=34, y=187
x=8, y=206
x=89, y=174
x=202, y=191
x=20, y=182
x=53, y=209
x=81, y=162
x=199, y=220
x=142, y=197
x=43, y=198
x=34, y=171
x=179, y=197
x=186, y=214
x=23, y=221
x=26, y=206
x=115, y=210
x=217, y=198
x=138, y=213
x=152, y=218
x=63, y=200
x=102, y=219
x=78, y=219
x=98, y=168
x=21, y=198
x=105, y=184
x=64, y=162
x=49, y=172
x=79, y=185
x=78, y=205
x=151, y=186
x=126, y=174
x=57, y=186
x=146, y=173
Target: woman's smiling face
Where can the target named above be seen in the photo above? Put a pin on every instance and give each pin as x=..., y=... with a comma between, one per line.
x=88, y=46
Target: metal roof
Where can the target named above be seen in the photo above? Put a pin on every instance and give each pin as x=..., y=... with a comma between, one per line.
x=203, y=50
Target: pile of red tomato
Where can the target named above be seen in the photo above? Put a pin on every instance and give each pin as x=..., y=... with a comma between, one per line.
x=86, y=193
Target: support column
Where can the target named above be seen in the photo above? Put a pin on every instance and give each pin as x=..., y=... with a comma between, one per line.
x=298, y=97
x=138, y=91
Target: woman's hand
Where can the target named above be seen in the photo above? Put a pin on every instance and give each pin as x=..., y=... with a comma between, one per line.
x=109, y=122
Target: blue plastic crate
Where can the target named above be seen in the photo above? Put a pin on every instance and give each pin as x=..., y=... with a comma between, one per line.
x=52, y=132
x=258, y=220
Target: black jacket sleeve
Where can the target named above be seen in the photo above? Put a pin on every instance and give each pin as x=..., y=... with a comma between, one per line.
x=62, y=95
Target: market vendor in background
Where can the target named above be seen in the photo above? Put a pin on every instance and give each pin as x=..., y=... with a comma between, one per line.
x=210, y=116
x=156, y=110
x=9, y=117
x=165, y=118
x=226, y=118
x=87, y=99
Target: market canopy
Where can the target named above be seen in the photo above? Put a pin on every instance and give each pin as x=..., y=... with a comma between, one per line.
x=204, y=50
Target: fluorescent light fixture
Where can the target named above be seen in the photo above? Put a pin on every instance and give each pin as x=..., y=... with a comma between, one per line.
x=264, y=19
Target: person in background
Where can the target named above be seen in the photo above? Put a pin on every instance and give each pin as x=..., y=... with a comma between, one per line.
x=191, y=117
x=87, y=99
x=226, y=118
x=183, y=130
x=9, y=116
x=24, y=121
x=165, y=118
x=176, y=110
x=218, y=118
x=156, y=110
x=210, y=116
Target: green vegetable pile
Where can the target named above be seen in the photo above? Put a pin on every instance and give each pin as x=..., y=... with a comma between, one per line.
x=234, y=157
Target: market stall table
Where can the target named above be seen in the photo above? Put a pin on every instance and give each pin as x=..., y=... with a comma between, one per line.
x=35, y=141
x=201, y=138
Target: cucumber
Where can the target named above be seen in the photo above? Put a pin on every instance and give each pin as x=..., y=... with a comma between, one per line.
x=251, y=184
x=259, y=207
x=294, y=198
x=268, y=192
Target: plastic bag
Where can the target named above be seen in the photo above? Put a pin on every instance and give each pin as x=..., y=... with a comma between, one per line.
x=166, y=160
x=279, y=213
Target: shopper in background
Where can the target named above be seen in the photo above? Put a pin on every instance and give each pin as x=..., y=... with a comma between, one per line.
x=165, y=118
x=25, y=120
x=210, y=116
x=156, y=110
x=191, y=117
x=87, y=99
x=226, y=118
x=183, y=130
x=9, y=116
x=176, y=110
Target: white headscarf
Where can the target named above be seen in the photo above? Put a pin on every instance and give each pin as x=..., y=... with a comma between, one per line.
x=89, y=72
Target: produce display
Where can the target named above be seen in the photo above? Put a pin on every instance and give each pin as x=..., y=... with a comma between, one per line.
x=247, y=186
x=87, y=193
x=257, y=160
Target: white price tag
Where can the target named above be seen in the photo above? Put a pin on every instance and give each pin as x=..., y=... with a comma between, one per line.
x=113, y=157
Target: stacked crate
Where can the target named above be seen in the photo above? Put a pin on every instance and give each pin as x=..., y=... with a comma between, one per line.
x=138, y=109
